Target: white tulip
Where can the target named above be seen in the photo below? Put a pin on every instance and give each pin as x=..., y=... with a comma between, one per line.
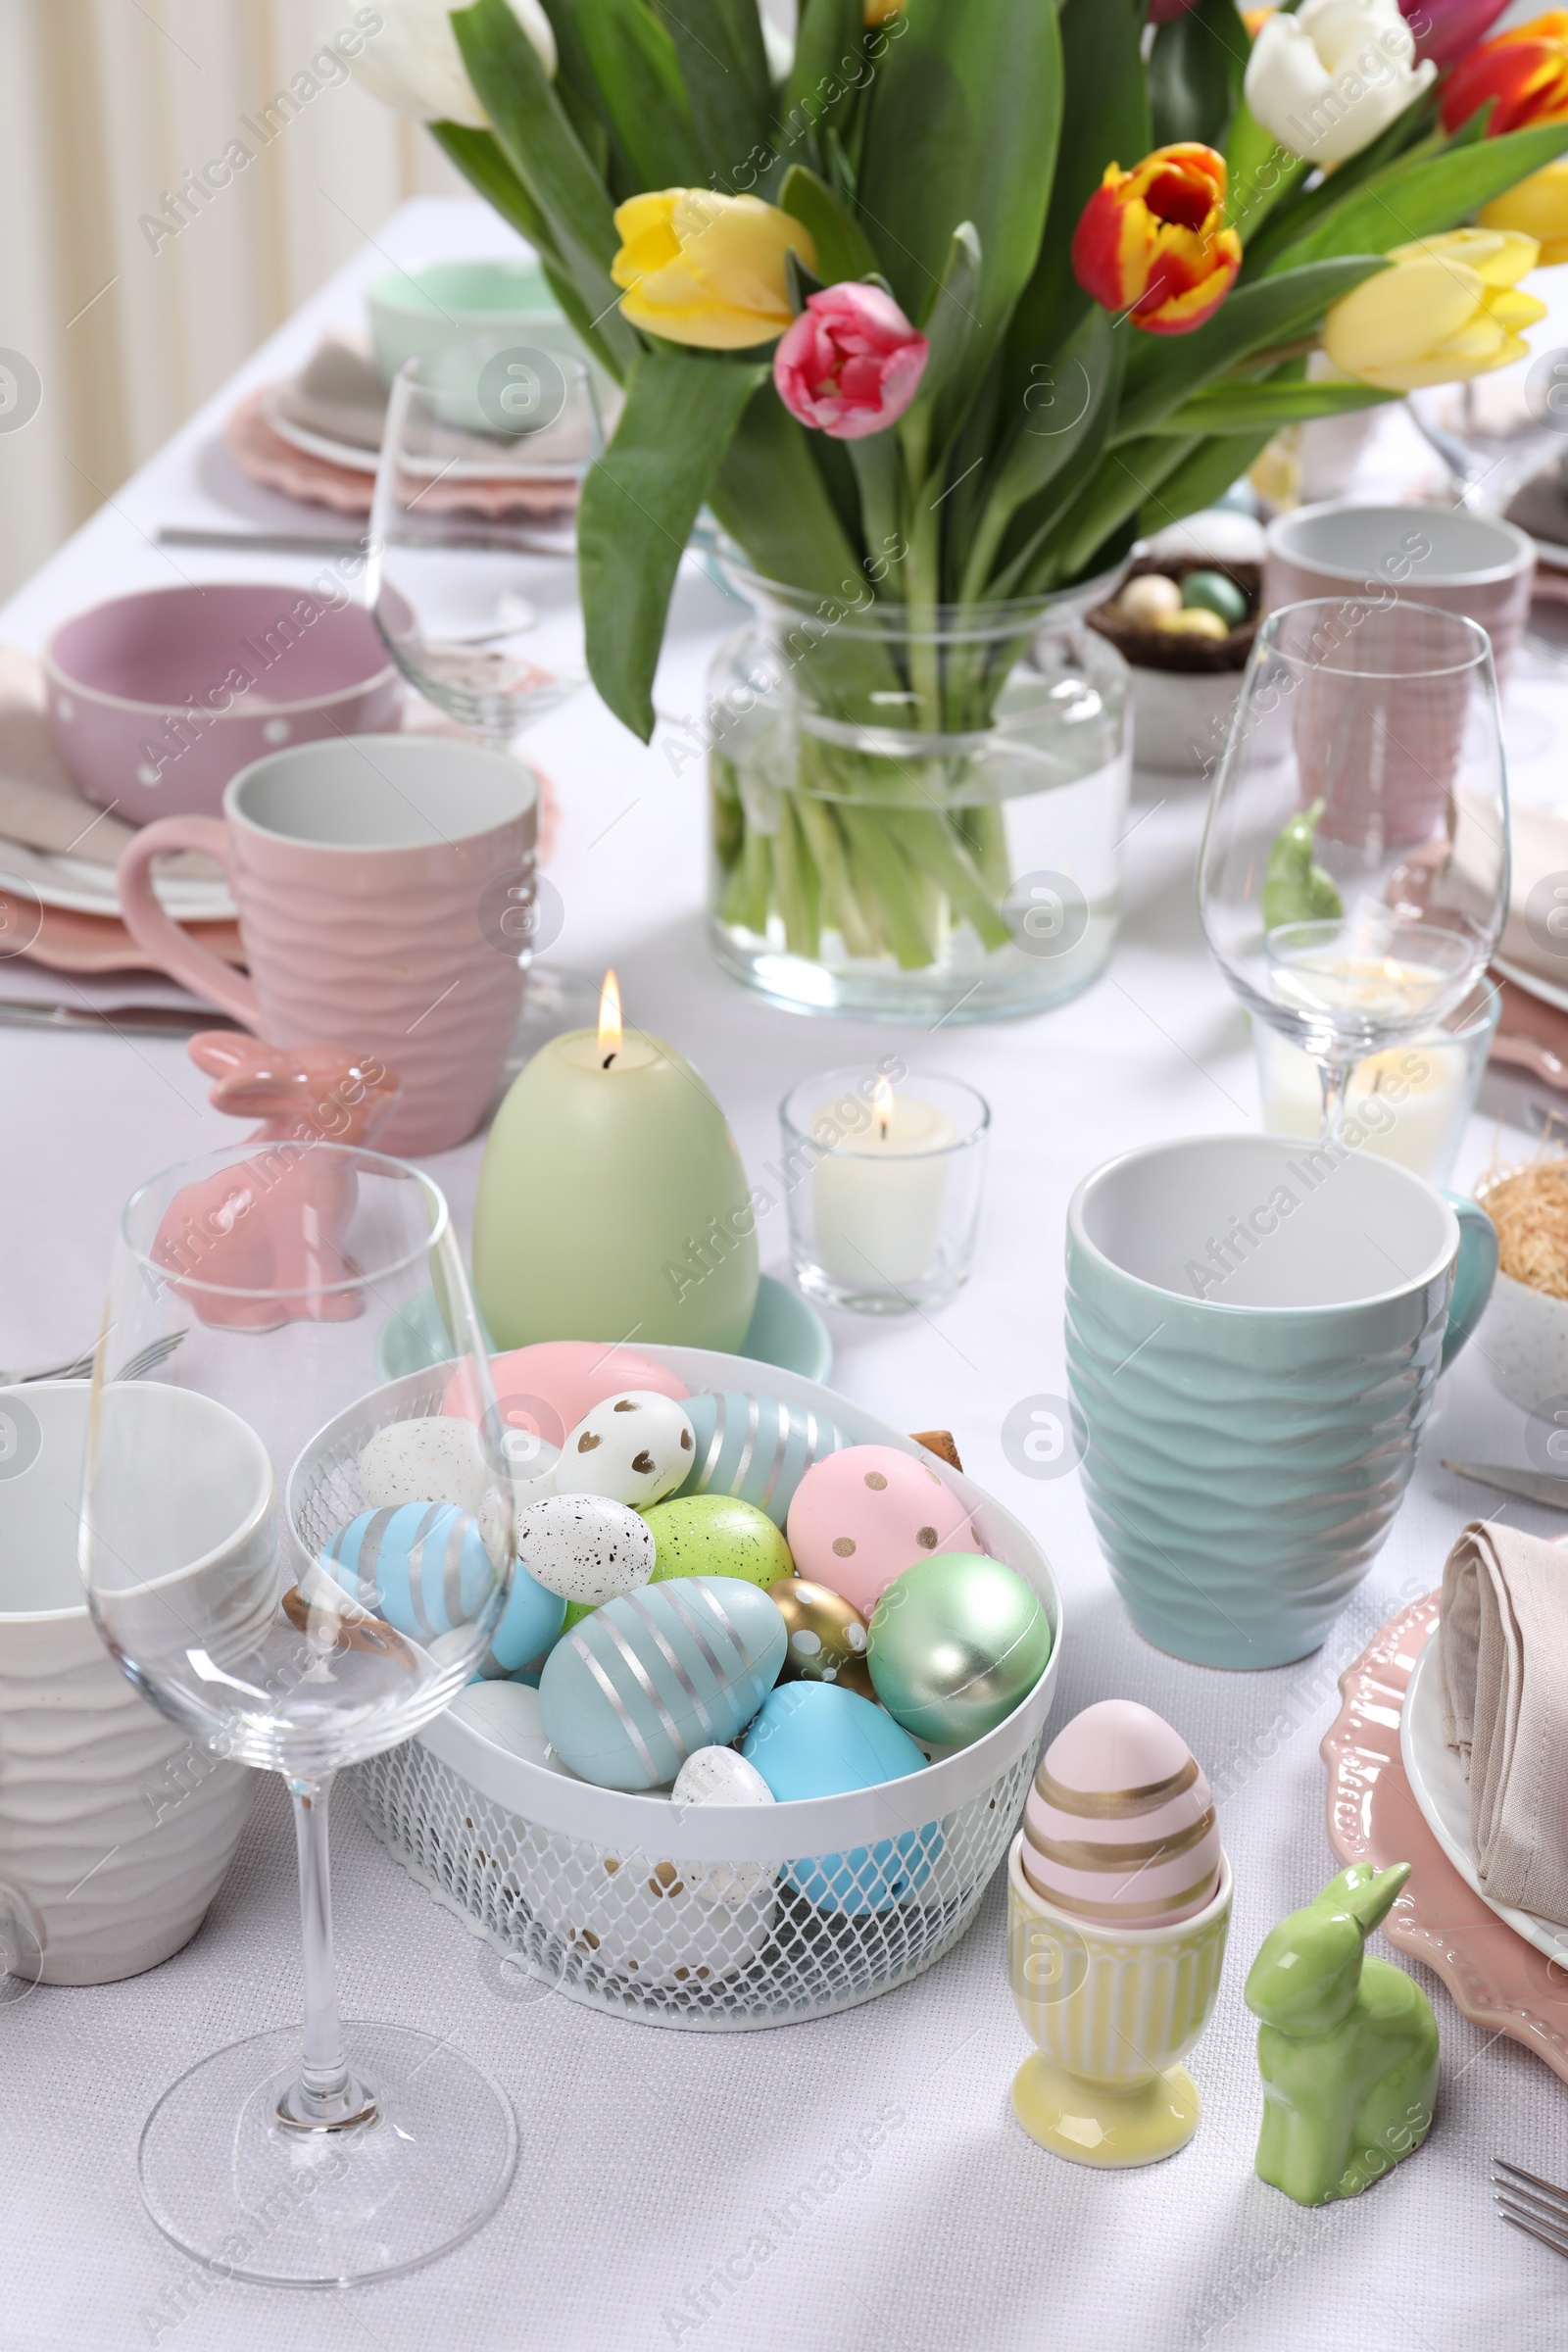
x=1327, y=79
x=411, y=60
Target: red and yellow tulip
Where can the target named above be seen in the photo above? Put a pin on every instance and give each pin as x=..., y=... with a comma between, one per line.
x=1151, y=242
x=1523, y=71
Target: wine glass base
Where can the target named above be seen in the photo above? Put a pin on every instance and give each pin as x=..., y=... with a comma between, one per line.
x=260, y=2200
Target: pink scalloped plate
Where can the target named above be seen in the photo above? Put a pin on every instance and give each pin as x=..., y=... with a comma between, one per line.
x=1498, y=1981
x=262, y=454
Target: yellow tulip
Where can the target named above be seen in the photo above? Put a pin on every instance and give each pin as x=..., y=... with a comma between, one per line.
x=708, y=269
x=1538, y=208
x=877, y=12
x=1450, y=307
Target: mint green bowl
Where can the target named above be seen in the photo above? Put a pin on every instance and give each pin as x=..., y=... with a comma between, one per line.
x=435, y=306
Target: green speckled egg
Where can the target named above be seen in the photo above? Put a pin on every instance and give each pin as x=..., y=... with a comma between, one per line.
x=717, y=1534
x=954, y=1644
x=1214, y=591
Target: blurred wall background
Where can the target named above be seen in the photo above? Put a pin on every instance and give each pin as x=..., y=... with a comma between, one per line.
x=104, y=107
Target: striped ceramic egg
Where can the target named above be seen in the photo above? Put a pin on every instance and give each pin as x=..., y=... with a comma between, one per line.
x=1119, y=1827
x=756, y=1448
x=425, y=1568
x=634, y=1689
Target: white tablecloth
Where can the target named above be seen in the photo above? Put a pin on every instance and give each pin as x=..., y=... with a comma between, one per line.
x=652, y=2161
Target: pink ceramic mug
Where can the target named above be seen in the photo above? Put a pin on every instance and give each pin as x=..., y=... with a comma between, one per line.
x=371, y=876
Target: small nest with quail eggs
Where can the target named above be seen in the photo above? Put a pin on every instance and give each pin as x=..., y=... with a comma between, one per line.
x=1188, y=613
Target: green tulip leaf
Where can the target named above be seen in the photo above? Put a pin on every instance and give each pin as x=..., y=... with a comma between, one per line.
x=772, y=498
x=829, y=68
x=1201, y=477
x=961, y=123
x=843, y=249
x=1249, y=408
x=1194, y=73
x=1423, y=199
x=952, y=318
x=637, y=74
x=1163, y=370
x=1260, y=174
x=724, y=65
x=638, y=505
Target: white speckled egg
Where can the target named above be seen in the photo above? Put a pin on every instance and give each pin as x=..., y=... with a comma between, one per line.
x=718, y=1776
x=636, y=1447
x=586, y=1547
x=1119, y=1827
x=424, y=1461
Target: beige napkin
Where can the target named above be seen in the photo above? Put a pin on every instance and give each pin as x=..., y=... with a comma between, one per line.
x=339, y=393
x=1505, y=1661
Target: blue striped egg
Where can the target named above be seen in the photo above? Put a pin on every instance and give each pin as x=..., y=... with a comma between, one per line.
x=653, y=1674
x=756, y=1448
x=818, y=1739
x=423, y=1567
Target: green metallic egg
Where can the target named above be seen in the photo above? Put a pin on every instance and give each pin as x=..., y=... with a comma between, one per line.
x=717, y=1535
x=1214, y=591
x=955, y=1643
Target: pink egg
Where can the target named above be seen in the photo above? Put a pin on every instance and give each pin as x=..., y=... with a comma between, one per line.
x=1120, y=1828
x=860, y=1517
x=555, y=1384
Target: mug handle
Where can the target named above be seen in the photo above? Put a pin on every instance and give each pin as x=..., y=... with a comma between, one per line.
x=159, y=936
x=1475, y=1271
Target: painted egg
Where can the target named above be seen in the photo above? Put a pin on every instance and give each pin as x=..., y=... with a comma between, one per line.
x=1215, y=592
x=584, y=1547
x=425, y=1568
x=718, y=1776
x=756, y=1448
x=861, y=1517
x=827, y=1638
x=815, y=1739
x=955, y=1643
x=549, y=1386
x=1148, y=598
x=645, y=1925
x=437, y=1460
x=507, y=1715
x=651, y=1677
x=714, y=1535
x=636, y=1447
x=1121, y=1821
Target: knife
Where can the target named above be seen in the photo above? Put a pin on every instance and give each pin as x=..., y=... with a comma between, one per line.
x=1532, y=1486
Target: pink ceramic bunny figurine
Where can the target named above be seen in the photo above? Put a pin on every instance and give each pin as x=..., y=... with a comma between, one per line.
x=276, y=1222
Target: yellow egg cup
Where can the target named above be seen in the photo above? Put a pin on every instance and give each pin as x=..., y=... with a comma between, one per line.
x=1111, y=2011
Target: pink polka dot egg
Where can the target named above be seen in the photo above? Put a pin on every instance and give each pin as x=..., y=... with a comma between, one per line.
x=1120, y=1828
x=863, y=1516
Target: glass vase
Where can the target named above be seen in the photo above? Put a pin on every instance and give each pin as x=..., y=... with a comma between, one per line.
x=916, y=815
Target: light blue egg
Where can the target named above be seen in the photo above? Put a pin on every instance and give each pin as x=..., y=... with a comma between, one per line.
x=816, y=1739
x=756, y=1448
x=423, y=1567
x=637, y=1686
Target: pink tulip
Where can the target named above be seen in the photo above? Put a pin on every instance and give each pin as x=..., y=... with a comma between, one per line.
x=1161, y=12
x=1445, y=29
x=850, y=364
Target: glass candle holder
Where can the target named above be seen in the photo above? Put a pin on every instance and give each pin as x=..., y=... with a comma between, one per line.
x=1410, y=1103
x=883, y=1177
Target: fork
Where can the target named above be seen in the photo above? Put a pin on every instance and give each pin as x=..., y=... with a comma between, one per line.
x=1530, y=2204
x=80, y=1367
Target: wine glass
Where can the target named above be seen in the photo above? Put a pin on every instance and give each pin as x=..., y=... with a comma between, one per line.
x=469, y=576
x=217, y=1488
x=1353, y=874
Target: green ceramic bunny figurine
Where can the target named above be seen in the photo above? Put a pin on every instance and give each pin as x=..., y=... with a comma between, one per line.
x=1348, y=2048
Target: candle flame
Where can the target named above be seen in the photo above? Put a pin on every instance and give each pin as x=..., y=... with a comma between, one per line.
x=609, y=1033
x=883, y=1106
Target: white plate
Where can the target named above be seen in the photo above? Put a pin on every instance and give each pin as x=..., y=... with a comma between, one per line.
x=85, y=888
x=1438, y=1786
x=1532, y=984
x=359, y=460
x=352, y=454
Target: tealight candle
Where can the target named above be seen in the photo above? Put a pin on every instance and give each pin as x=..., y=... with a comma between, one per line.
x=885, y=1218
x=613, y=1204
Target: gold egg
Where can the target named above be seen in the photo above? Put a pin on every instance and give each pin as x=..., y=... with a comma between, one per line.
x=827, y=1637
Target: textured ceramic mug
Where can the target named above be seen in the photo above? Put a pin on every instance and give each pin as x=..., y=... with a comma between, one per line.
x=1111, y=2010
x=113, y=1827
x=1254, y=1327
x=374, y=878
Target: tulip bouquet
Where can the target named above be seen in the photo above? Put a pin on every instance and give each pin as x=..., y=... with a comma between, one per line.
x=939, y=313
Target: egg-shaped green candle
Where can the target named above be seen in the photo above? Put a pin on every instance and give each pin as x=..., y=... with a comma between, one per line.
x=613, y=1204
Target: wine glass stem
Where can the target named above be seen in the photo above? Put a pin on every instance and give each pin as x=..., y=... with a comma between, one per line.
x=323, y=2095
x=1334, y=1078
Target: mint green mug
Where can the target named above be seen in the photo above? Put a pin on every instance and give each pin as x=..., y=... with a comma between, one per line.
x=1254, y=1329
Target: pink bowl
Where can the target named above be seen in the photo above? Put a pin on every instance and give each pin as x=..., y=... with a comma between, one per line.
x=157, y=698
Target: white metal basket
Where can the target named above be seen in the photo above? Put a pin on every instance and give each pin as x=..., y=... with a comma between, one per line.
x=711, y=1918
